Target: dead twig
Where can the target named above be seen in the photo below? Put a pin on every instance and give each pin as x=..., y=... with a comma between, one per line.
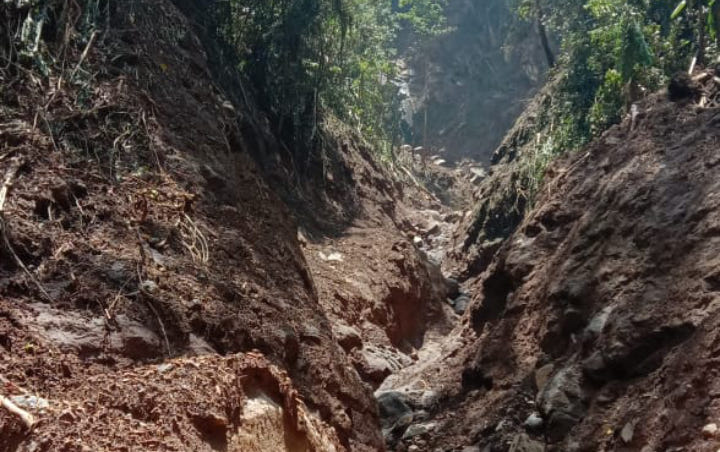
x=6, y=155
x=84, y=54
x=110, y=311
x=26, y=417
x=7, y=182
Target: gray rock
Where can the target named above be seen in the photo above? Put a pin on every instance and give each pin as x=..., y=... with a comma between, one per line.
x=559, y=424
x=118, y=273
x=30, y=402
x=392, y=406
x=138, y=342
x=523, y=443
x=628, y=432
x=149, y=286
x=453, y=288
x=428, y=399
x=461, y=304
x=164, y=368
x=597, y=323
x=198, y=346
x=74, y=332
x=562, y=402
x=375, y=363
x=418, y=430
x=348, y=337
x=595, y=367
x=534, y=422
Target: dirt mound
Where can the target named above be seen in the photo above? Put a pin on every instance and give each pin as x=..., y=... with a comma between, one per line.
x=139, y=228
x=595, y=326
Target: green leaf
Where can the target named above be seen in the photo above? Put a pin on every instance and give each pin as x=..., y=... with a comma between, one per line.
x=678, y=9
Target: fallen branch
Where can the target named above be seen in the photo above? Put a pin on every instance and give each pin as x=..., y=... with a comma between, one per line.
x=84, y=54
x=26, y=417
x=418, y=184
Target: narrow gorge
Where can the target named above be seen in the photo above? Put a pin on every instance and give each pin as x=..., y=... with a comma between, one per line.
x=312, y=225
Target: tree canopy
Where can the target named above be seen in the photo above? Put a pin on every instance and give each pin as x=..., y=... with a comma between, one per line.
x=309, y=58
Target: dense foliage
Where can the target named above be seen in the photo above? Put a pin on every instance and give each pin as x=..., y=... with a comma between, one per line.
x=611, y=54
x=310, y=58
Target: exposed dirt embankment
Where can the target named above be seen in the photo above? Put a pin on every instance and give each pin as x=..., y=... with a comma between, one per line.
x=595, y=327
x=139, y=229
x=156, y=292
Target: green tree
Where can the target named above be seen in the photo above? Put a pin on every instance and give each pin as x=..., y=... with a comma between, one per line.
x=310, y=58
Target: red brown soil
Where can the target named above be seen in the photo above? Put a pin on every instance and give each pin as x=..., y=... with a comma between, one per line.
x=157, y=292
x=170, y=300
x=601, y=313
x=139, y=211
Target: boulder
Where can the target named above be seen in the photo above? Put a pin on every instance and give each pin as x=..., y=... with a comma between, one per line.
x=375, y=364
x=562, y=402
x=75, y=333
x=392, y=406
x=534, y=422
x=461, y=304
x=453, y=288
x=419, y=430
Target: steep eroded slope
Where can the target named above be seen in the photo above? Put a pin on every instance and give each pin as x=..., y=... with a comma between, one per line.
x=595, y=326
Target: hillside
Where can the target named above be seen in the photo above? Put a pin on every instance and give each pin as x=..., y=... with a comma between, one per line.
x=214, y=237
x=593, y=327
x=158, y=284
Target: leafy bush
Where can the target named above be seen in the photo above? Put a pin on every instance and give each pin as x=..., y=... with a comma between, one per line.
x=609, y=103
x=613, y=53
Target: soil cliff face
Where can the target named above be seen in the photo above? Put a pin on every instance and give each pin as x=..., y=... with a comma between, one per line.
x=594, y=327
x=139, y=229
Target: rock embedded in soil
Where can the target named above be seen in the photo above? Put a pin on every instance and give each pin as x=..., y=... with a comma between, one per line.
x=710, y=430
x=461, y=304
x=419, y=430
x=392, y=406
x=562, y=402
x=628, y=432
x=348, y=337
x=534, y=422
x=453, y=288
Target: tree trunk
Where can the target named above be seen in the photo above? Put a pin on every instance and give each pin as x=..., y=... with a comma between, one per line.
x=543, y=35
x=701, y=35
